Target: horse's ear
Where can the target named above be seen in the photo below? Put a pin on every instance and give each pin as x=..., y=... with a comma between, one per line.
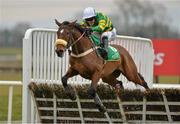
x=73, y=23
x=58, y=23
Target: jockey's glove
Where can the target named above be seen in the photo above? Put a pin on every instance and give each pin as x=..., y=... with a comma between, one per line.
x=88, y=31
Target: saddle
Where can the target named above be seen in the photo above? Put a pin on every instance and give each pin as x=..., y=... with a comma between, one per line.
x=113, y=54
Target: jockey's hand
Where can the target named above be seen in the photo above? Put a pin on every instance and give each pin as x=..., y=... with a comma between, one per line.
x=88, y=31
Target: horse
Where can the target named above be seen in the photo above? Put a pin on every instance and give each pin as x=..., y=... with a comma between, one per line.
x=85, y=62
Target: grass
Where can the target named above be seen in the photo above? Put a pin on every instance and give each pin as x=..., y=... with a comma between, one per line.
x=11, y=76
x=169, y=79
x=17, y=103
x=10, y=51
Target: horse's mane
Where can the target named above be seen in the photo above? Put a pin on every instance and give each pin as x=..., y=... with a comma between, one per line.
x=77, y=26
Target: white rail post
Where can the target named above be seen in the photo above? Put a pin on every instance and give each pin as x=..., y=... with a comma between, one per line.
x=54, y=108
x=10, y=104
x=167, y=107
x=27, y=58
x=144, y=109
x=121, y=109
x=80, y=109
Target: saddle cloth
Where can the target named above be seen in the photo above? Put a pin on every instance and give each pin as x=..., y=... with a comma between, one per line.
x=113, y=54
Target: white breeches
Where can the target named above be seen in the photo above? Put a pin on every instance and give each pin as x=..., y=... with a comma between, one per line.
x=111, y=35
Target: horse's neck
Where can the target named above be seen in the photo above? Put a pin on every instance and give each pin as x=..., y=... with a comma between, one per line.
x=82, y=45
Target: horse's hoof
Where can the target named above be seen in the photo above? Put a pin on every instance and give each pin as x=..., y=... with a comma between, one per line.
x=70, y=92
x=101, y=108
x=91, y=92
x=119, y=85
x=146, y=92
x=64, y=81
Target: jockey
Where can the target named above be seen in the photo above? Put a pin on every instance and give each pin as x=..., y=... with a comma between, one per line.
x=101, y=25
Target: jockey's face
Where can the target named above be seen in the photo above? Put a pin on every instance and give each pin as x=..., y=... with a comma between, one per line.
x=90, y=21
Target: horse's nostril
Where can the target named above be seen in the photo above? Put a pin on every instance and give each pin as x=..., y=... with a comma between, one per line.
x=59, y=52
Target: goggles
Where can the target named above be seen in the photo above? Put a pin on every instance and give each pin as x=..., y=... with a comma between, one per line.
x=89, y=19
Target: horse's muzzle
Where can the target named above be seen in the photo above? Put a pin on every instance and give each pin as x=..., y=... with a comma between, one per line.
x=60, y=53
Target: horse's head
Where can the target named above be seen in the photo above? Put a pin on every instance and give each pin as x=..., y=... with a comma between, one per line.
x=68, y=34
x=64, y=37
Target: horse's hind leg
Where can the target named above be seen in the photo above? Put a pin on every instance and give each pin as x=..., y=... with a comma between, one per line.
x=136, y=78
x=145, y=83
x=130, y=72
x=115, y=75
x=111, y=80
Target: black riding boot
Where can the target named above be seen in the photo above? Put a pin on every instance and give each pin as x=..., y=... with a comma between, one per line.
x=105, y=47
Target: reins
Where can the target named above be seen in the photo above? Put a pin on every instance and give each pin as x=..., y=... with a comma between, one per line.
x=72, y=42
x=77, y=40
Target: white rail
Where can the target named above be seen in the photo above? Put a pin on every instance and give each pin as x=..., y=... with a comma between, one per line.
x=166, y=86
x=11, y=84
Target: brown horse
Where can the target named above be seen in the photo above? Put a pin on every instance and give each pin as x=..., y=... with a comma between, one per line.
x=85, y=61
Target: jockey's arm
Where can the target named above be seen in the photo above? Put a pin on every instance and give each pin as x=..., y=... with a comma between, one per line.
x=100, y=27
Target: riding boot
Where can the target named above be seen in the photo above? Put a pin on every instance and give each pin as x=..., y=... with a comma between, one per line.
x=105, y=47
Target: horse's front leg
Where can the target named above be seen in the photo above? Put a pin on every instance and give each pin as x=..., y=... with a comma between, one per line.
x=70, y=73
x=68, y=89
x=92, y=91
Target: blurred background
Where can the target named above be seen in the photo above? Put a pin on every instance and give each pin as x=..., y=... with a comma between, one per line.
x=154, y=19
x=158, y=20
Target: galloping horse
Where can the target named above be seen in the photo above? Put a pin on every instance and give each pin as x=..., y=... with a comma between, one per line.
x=85, y=61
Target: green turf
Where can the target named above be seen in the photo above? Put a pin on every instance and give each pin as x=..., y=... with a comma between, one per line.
x=169, y=79
x=17, y=103
x=11, y=76
x=10, y=51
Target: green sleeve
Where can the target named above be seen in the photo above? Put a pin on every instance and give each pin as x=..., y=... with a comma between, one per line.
x=97, y=29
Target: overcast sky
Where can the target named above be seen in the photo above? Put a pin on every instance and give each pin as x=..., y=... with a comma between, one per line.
x=41, y=13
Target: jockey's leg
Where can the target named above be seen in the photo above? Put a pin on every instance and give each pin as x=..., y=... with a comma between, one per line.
x=104, y=43
x=105, y=38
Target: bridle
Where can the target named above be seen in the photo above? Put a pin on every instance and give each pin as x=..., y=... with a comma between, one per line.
x=74, y=41
x=71, y=40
